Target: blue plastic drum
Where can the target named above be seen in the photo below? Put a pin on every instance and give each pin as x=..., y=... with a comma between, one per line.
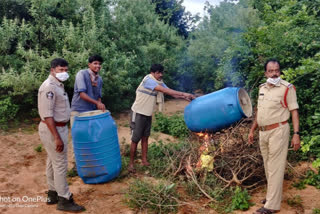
x=217, y=110
x=96, y=147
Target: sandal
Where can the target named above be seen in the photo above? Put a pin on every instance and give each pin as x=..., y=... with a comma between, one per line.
x=263, y=210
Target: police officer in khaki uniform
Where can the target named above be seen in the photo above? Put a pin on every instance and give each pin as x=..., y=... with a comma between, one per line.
x=54, y=110
x=277, y=99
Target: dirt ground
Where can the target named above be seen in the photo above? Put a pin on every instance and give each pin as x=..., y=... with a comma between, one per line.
x=23, y=179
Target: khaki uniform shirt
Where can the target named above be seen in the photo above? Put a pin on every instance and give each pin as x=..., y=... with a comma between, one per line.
x=271, y=104
x=53, y=101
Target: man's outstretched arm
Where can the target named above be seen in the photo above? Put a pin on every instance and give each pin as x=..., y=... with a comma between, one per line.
x=174, y=93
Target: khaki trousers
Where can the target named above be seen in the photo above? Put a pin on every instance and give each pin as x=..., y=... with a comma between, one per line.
x=274, y=150
x=57, y=163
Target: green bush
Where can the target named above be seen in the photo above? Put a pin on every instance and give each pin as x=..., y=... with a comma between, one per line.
x=18, y=94
x=177, y=126
x=72, y=173
x=240, y=199
x=316, y=211
x=8, y=111
x=130, y=38
x=211, y=185
x=172, y=125
x=161, y=123
x=311, y=178
x=165, y=158
x=38, y=148
x=159, y=198
x=295, y=201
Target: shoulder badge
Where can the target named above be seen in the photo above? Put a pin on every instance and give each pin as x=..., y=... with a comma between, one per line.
x=50, y=95
x=262, y=85
x=285, y=83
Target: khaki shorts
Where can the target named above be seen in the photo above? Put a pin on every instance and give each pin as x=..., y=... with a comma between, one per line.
x=140, y=126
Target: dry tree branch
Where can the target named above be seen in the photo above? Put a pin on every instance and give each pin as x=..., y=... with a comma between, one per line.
x=194, y=179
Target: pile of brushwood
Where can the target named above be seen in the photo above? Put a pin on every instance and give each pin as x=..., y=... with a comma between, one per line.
x=234, y=162
x=224, y=155
x=220, y=166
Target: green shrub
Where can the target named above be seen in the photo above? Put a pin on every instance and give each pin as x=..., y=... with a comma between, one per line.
x=165, y=158
x=8, y=111
x=38, y=148
x=316, y=164
x=130, y=38
x=211, y=185
x=296, y=201
x=299, y=184
x=72, y=173
x=311, y=178
x=161, y=123
x=160, y=198
x=172, y=125
x=240, y=199
x=18, y=95
x=177, y=126
x=316, y=211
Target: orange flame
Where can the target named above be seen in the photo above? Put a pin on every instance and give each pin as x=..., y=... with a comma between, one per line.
x=205, y=136
x=200, y=134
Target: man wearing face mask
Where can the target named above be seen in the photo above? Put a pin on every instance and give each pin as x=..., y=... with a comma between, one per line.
x=54, y=110
x=277, y=99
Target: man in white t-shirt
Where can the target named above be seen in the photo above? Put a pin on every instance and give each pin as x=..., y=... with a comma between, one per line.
x=149, y=91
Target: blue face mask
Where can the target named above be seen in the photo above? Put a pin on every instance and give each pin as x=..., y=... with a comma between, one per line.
x=63, y=76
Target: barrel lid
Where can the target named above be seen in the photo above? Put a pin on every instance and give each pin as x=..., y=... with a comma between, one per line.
x=245, y=102
x=92, y=114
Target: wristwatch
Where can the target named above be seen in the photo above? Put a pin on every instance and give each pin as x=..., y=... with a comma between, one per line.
x=298, y=133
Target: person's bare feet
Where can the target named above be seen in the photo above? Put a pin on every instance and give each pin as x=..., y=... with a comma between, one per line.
x=145, y=163
x=131, y=169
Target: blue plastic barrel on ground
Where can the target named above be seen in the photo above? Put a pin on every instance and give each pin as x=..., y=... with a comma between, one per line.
x=217, y=110
x=96, y=147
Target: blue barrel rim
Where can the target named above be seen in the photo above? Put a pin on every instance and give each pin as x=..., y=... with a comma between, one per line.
x=107, y=113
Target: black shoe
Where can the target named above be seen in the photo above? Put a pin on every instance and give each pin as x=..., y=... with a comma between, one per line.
x=52, y=197
x=264, y=201
x=69, y=205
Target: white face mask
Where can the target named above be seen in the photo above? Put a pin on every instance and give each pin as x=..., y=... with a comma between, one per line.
x=63, y=76
x=273, y=81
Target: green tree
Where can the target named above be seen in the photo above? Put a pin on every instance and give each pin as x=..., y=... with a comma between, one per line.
x=214, y=57
x=129, y=35
x=172, y=12
x=290, y=33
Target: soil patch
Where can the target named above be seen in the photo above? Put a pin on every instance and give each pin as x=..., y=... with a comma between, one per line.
x=23, y=180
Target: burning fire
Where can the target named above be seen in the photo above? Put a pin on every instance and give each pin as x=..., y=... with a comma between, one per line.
x=205, y=136
x=205, y=159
